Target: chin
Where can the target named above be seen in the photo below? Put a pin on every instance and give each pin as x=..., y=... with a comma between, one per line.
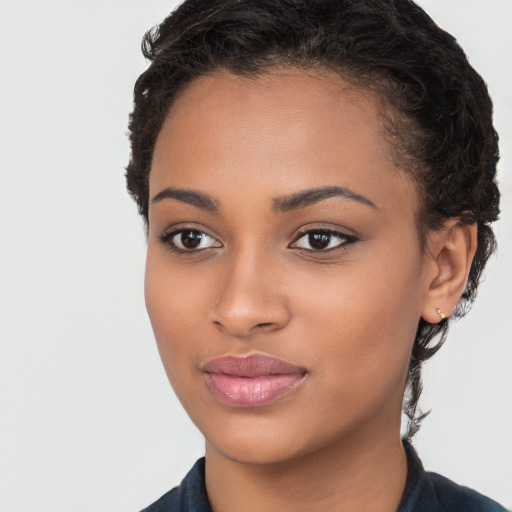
x=261, y=441
x=254, y=452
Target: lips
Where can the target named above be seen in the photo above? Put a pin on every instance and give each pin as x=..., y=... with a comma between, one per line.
x=251, y=381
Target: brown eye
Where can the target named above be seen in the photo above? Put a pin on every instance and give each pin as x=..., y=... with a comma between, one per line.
x=189, y=240
x=319, y=240
x=322, y=240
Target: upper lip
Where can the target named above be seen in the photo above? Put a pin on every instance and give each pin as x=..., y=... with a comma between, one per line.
x=254, y=365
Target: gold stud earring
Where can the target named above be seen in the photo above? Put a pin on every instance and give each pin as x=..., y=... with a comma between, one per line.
x=441, y=314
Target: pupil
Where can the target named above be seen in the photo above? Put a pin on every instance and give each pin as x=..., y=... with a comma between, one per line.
x=319, y=240
x=191, y=239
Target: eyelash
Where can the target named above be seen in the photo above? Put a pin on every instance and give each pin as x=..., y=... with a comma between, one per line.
x=321, y=235
x=168, y=240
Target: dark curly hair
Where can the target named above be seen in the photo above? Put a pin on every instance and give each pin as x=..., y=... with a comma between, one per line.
x=438, y=113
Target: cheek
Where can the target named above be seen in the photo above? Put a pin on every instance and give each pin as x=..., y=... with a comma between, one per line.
x=361, y=321
x=173, y=303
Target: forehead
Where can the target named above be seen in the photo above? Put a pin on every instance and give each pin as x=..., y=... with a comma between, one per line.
x=288, y=87
x=279, y=131
x=285, y=97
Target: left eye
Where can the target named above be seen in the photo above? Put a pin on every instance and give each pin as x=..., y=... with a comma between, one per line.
x=190, y=240
x=321, y=240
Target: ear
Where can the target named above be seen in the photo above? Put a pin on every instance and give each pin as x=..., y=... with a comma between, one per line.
x=449, y=252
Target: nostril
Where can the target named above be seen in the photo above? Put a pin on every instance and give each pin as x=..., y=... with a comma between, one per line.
x=244, y=331
x=263, y=326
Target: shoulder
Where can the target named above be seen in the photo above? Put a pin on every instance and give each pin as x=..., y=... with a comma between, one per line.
x=454, y=498
x=431, y=492
x=169, y=502
x=189, y=496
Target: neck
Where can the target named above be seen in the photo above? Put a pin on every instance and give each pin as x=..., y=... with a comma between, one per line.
x=360, y=473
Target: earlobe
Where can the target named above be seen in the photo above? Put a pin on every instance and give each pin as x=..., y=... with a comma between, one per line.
x=450, y=252
x=441, y=314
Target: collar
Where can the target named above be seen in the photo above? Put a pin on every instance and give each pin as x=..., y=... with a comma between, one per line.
x=418, y=494
x=424, y=492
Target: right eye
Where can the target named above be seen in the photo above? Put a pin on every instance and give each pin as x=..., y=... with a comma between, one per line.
x=189, y=240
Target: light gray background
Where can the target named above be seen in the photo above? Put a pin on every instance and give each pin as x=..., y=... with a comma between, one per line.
x=88, y=421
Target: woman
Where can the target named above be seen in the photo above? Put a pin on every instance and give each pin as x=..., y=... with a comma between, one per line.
x=317, y=180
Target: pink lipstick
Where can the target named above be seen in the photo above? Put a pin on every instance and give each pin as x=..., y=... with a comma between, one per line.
x=251, y=381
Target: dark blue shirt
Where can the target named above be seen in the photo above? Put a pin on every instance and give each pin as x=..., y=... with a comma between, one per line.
x=424, y=492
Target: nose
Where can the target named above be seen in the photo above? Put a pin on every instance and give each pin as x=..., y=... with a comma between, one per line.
x=250, y=299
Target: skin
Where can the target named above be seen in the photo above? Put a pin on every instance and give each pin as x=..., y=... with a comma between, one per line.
x=348, y=315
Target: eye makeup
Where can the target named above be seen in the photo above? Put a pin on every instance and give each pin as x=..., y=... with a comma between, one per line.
x=322, y=240
x=188, y=239
x=192, y=239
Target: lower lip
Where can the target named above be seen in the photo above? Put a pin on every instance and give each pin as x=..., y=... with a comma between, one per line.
x=251, y=391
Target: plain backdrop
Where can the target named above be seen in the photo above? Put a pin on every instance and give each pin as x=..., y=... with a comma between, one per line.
x=88, y=422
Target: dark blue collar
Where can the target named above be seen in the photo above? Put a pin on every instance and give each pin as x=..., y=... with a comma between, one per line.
x=424, y=492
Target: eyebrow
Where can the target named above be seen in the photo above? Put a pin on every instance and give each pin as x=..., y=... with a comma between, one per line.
x=314, y=195
x=280, y=204
x=192, y=197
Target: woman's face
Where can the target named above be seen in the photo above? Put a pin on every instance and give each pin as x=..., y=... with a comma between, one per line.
x=284, y=276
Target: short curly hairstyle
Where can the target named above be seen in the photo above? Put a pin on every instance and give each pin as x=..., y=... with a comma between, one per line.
x=438, y=113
